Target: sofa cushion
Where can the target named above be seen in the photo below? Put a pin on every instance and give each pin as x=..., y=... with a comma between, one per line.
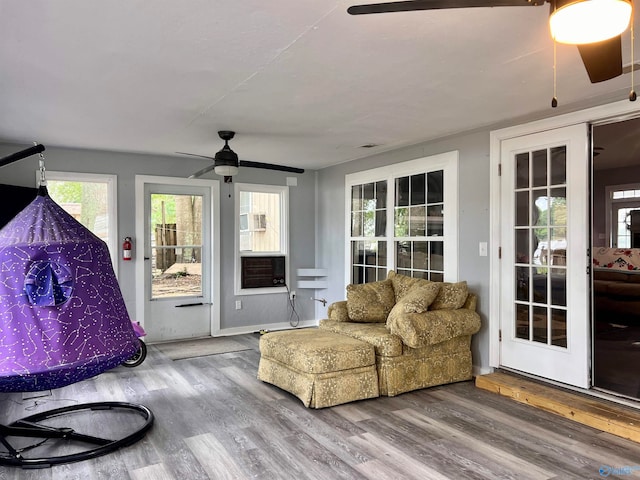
x=376, y=334
x=451, y=296
x=610, y=275
x=402, y=283
x=421, y=329
x=370, y=302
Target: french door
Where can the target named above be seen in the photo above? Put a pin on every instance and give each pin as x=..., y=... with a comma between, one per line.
x=177, y=258
x=544, y=314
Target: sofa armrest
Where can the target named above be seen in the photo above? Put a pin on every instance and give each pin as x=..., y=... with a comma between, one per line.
x=338, y=311
x=429, y=328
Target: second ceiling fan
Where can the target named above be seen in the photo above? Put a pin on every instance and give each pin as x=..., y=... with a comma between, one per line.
x=226, y=162
x=602, y=58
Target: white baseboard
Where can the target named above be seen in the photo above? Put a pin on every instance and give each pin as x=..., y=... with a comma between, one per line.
x=478, y=370
x=269, y=326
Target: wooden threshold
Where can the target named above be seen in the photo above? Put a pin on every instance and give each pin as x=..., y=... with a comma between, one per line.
x=597, y=413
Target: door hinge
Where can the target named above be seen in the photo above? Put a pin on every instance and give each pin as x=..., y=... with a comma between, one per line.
x=499, y=169
x=499, y=253
x=500, y=335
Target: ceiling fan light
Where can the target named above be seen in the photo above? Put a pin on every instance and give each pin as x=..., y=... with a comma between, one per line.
x=226, y=170
x=588, y=21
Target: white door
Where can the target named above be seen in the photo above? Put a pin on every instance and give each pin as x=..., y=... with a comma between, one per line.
x=178, y=278
x=545, y=326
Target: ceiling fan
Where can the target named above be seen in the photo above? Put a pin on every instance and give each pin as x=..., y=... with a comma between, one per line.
x=226, y=163
x=601, y=51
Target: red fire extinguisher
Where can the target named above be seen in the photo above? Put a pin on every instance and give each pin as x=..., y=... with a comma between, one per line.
x=126, y=248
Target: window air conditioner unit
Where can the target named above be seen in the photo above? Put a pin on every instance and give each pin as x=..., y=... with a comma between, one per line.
x=264, y=271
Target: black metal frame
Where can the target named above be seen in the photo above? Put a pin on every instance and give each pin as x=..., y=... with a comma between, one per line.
x=29, y=427
x=27, y=152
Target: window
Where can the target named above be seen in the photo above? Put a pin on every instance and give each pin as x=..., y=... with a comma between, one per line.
x=176, y=245
x=403, y=217
x=90, y=199
x=261, y=227
x=623, y=210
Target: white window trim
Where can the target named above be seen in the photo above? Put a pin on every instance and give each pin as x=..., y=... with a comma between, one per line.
x=283, y=191
x=112, y=203
x=448, y=163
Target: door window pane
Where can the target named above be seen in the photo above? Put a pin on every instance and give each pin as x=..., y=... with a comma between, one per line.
x=539, y=160
x=522, y=321
x=559, y=165
x=522, y=208
x=176, y=245
x=522, y=170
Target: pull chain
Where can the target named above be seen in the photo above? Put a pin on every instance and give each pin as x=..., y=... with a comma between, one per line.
x=632, y=93
x=554, y=100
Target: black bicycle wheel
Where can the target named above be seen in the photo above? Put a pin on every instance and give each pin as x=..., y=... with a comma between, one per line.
x=80, y=432
x=138, y=357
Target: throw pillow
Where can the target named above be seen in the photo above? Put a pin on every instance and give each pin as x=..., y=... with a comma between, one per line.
x=370, y=302
x=402, y=283
x=451, y=296
x=417, y=300
x=419, y=297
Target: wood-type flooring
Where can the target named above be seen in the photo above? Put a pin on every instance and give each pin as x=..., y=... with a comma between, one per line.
x=215, y=420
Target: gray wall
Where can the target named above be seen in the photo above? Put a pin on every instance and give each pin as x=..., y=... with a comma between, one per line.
x=473, y=218
x=257, y=309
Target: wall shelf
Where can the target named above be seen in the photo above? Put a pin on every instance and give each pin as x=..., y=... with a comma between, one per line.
x=312, y=278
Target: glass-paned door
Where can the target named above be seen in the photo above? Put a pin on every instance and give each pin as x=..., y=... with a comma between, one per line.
x=544, y=314
x=178, y=261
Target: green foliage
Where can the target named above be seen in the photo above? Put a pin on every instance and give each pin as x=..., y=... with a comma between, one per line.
x=163, y=207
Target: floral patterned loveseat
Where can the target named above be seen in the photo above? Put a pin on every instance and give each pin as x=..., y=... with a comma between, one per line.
x=420, y=330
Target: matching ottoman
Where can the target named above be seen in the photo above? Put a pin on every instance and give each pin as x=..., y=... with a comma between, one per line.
x=319, y=367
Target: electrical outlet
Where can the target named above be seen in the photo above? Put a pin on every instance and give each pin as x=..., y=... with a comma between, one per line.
x=238, y=304
x=292, y=295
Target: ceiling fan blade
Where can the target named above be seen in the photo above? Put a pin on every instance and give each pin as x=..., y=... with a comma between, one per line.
x=270, y=166
x=603, y=60
x=195, y=155
x=409, y=6
x=199, y=173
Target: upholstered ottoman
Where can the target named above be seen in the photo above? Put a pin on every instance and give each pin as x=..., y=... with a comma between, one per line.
x=319, y=367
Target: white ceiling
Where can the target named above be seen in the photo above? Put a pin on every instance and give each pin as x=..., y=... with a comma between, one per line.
x=301, y=82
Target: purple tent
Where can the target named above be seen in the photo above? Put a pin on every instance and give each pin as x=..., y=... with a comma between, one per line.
x=62, y=316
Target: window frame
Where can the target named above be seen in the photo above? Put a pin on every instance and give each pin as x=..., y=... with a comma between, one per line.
x=611, y=203
x=112, y=202
x=283, y=191
x=448, y=163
